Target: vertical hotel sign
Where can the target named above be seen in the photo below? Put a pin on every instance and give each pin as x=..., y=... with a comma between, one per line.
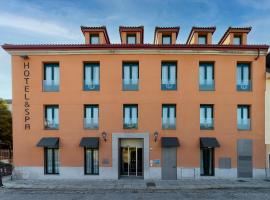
x=26, y=75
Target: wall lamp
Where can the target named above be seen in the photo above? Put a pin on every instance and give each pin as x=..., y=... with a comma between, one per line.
x=155, y=136
x=104, y=136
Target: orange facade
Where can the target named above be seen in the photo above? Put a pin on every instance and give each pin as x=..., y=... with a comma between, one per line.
x=71, y=99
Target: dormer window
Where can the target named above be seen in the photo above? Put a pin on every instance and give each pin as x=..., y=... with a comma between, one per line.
x=131, y=39
x=94, y=39
x=166, y=39
x=237, y=40
x=202, y=39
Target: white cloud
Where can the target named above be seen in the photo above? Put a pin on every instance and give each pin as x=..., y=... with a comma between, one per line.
x=35, y=25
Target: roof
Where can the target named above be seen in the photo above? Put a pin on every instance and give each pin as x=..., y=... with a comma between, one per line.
x=96, y=29
x=209, y=142
x=33, y=47
x=132, y=29
x=234, y=30
x=90, y=142
x=170, y=142
x=194, y=29
x=168, y=28
x=49, y=142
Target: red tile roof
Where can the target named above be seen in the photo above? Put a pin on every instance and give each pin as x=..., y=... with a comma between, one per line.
x=234, y=30
x=96, y=29
x=25, y=47
x=194, y=29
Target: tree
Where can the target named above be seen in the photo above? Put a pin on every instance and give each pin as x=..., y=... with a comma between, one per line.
x=5, y=124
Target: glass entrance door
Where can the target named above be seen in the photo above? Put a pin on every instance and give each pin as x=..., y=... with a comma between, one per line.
x=131, y=161
x=207, y=162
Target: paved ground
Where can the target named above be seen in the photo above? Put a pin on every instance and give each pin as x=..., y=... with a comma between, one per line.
x=217, y=194
x=248, y=189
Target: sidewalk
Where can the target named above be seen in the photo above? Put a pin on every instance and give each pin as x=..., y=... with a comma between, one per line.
x=129, y=184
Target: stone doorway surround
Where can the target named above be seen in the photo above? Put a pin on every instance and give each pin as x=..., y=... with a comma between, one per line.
x=115, y=151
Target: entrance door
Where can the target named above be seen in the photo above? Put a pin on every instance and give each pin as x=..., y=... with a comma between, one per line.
x=207, y=162
x=169, y=163
x=131, y=161
x=244, y=161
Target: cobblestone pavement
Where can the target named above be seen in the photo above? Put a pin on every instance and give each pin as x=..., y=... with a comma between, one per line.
x=203, y=194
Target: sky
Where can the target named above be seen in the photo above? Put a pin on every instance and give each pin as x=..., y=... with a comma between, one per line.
x=59, y=21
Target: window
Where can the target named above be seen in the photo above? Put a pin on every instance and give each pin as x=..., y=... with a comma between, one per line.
x=130, y=76
x=202, y=39
x=169, y=116
x=243, y=77
x=168, y=76
x=243, y=117
x=91, y=166
x=237, y=40
x=166, y=39
x=94, y=39
x=91, y=116
x=206, y=76
x=91, y=76
x=51, y=161
x=131, y=38
x=51, y=77
x=52, y=117
x=206, y=117
x=130, y=116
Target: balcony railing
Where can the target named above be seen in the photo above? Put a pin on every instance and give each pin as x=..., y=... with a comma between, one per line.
x=169, y=123
x=50, y=86
x=207, y=85
x=244, y=85
x=168, y=86
x=50, y=124
x=90, y=123
x=130, y=84
x=91, y=86
x=244, y=124
x=130, y=125
x=207, y=124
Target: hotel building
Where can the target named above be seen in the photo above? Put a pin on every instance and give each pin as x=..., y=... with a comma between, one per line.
x=155, y=111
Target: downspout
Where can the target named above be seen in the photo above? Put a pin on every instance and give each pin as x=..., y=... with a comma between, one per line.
x=258, y=55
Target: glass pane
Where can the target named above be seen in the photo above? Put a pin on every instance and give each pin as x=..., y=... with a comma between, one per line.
x=56, y=75
x=96, y=75
x=245, y=113
x=49, y=161
x=172, y=75
x=134, y=79
x=94, y=39
x=172, y=115
x=166, y=40
x=202, y=115
x=245, y=75
x=49, y=118
x=202, y=40
x=134, y=115
x=239, y=115
x=131, y=39
x=56, y=116
x=48, y=75
x=88, y=73
x=164, y=115
x=164, y=74
x=237, y=40
x=88, y=161
x=239, y=77
x=127, y=116
x=95, y=160
x=126, y=74
x=202, y=78
x=209, y=74
x=96, y=116
x=56, y=161
x=209, y=113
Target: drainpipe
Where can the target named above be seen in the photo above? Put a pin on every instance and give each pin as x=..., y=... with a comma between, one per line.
x=258, y=55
